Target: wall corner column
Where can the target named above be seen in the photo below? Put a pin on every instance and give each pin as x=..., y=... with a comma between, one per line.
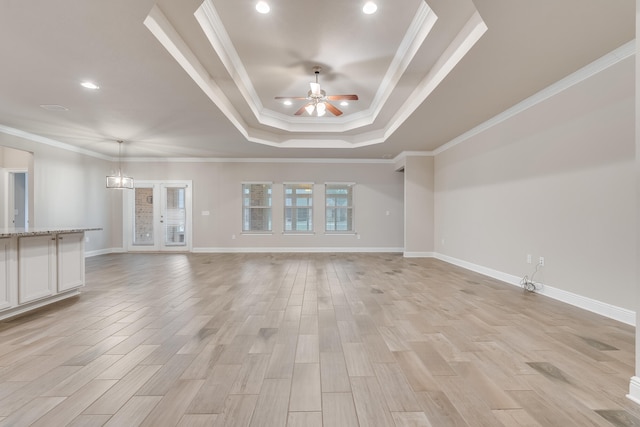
x=634, y=385
x=418, y=206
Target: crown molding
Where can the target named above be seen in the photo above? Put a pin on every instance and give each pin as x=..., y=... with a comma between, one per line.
x=625, y=51
x=471, y=32
x=53, y=143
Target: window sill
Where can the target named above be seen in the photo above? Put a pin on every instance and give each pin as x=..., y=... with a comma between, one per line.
x=257, y=233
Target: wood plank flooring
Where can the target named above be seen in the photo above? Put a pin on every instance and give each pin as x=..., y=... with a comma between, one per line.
x=310, y=340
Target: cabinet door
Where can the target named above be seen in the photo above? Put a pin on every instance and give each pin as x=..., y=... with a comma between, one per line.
x=7, y=266
x=37, y=267
x=70, y=261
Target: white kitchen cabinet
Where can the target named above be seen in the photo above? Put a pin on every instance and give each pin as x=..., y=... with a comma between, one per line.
x=70, y=256
x=8, y=266
x=37, y=267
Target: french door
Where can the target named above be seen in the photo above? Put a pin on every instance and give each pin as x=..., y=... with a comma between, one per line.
x=158, y=216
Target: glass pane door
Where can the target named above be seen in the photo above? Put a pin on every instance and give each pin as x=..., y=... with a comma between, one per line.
x=159, y=216
x=143, y=213
x=174, y=216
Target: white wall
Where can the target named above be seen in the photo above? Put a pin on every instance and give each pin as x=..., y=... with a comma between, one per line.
x=556, y=180
x=217, y=189
x=68, y=190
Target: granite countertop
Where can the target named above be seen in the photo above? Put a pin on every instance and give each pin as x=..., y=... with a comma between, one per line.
x=39, y=231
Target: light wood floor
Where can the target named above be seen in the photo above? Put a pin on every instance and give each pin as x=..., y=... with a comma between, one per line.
x=310, y=340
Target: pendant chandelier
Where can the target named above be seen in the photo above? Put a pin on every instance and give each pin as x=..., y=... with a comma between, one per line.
x=119, y=181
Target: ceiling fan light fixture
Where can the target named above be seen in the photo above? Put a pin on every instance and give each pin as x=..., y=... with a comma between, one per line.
x=344, y=103
x=318, y=100
x=263, y=7
x=309, y=108
x=315, y=89
x=369, y=8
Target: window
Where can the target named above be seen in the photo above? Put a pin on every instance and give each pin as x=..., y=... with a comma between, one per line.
x=339, y=207
x=256, y=207
x=298, y=207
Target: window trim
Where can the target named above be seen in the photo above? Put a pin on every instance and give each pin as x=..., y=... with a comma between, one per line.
x=310, y=208
x=351, y=207
x=243, y=207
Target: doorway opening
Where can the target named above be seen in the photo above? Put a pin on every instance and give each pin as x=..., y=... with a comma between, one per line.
x=17, y=199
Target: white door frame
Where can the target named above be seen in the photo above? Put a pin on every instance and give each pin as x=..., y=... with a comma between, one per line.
x=128, y=215
x=9, y=196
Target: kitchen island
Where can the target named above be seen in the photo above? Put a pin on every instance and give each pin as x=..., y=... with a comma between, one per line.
x=39, y=266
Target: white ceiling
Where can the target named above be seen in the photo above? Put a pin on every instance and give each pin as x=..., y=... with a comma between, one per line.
x=198, y=79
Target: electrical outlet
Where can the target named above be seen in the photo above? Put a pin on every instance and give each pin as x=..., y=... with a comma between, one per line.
x=541, y=261
x=528, y=258
x=233, y=237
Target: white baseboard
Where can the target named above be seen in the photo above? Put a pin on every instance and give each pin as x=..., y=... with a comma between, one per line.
x=607, y=310
x=611, y=311
x=634, y=390
x=504, y=277
x=223, y=250
x=89, y=254
x=419, y=254
x=294, y=249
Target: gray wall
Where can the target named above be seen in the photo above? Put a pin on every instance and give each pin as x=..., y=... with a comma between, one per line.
x=419, y=208
x=556, y=180
x=217, y=188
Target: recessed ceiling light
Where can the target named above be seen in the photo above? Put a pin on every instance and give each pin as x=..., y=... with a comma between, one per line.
x=287, y=102
x=369, y=8
x=263, y=7
x=90, y=85
x=54, y=107
x=344, y=103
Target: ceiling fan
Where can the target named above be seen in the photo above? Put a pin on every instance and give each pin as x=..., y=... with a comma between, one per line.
x=318, y=100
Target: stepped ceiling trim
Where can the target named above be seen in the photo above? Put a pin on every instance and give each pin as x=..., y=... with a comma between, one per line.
x=279, y=130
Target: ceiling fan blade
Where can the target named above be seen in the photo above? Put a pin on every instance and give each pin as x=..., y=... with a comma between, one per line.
x=315, y=89
x=293, y=98
x=333, y=109
x=302, y=109
x=342, y=97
